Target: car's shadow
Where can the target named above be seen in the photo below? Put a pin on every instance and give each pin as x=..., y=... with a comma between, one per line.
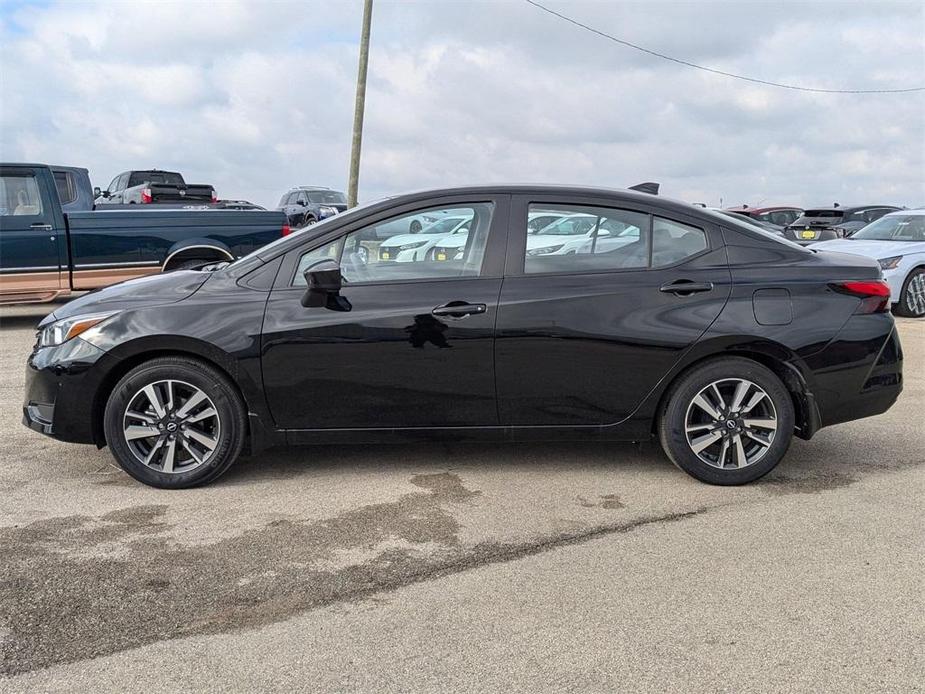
x=284, y=463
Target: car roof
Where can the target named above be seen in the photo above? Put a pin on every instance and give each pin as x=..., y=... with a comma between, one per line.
x=771, y=208
x=849, y=208
x=292, y=190
x=616, y=195
x=918, y=212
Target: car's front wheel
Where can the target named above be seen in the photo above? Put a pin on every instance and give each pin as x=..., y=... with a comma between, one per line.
x=728, y=421
x=174, y=422
x=912, y=300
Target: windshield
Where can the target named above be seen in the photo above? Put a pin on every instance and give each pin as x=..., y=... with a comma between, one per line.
x=907, y=227
x=158, y=177
x=326, y=197
x=824, y=214
x=573, y=225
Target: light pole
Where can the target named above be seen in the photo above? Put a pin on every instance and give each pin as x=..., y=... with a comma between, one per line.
x=360, y=107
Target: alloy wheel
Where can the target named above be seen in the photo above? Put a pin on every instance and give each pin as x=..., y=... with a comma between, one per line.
x=171, y=426
x=731, y=423
x=915, y=294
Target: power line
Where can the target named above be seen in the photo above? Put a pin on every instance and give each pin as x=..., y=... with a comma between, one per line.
x=679, y=61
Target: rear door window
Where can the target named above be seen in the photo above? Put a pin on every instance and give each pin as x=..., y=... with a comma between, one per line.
x=673, y=242
x=582, y=238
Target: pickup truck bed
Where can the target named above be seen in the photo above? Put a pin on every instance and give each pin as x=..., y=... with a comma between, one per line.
x=45, y=252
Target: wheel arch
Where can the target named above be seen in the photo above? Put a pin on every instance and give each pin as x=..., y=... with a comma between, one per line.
x=139, y=351
x=776, y=357
x=190, y=249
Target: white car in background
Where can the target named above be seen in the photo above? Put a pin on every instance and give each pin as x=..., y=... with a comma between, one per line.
x=897, y=242
x=580, y=233
x=406, y=248
x=451, y=247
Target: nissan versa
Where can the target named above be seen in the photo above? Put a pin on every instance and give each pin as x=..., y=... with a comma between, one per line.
x=716, y=338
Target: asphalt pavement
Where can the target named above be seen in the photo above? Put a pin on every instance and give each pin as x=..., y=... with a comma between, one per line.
x=561, y=567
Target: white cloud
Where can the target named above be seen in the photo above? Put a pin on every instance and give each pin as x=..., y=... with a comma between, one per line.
x=257, y=97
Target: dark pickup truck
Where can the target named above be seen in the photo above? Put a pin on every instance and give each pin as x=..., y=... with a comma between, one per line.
x=152, y=187
x=47, y=250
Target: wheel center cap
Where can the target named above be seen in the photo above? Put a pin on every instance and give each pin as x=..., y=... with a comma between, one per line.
x=171, y=426
x=730, y=424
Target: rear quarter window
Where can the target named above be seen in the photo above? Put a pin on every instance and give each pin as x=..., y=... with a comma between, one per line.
x=67, y=190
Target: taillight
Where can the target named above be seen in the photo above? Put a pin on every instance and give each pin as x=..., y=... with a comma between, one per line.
x=146, y=195
x=214, y=196
x=874, y=294
x=287, y=230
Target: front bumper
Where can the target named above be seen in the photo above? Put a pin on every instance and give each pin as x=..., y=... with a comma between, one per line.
x=61, y=385
x=895, y=278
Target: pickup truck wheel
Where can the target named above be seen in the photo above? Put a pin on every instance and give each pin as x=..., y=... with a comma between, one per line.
x=175, y=422
x=727, y=422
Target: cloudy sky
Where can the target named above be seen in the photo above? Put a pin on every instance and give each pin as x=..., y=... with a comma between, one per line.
x=256, y=97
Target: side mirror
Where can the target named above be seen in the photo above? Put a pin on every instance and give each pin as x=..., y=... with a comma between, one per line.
x=301, y=203
x=324, y=284
x=97, y=192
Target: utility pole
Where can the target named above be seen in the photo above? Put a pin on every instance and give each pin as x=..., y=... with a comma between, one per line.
x=353, y=183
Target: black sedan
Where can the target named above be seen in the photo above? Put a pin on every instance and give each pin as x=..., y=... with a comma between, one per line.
x=685, y=326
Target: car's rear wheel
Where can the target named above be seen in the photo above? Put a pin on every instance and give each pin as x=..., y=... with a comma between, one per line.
x=912, y=300
x=728, y=421
x=174, y=422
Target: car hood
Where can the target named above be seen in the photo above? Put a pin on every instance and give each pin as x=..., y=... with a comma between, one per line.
x=452, y=241
x=152, y=290
x=871, y=249
x=402, y=239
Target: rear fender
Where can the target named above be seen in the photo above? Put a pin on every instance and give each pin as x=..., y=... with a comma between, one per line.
x=187, y=249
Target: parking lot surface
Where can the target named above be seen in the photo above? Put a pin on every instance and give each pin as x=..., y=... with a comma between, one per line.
x=481, y=567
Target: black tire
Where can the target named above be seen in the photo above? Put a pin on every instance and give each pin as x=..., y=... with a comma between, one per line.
x=415, y=227
x=681, y=395
x=912, y=306
x=308, y=221
x=214, y=384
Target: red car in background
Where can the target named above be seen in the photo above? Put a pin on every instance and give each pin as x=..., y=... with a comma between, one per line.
x=781, y=215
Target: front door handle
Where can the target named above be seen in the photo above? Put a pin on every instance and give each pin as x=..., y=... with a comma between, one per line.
x=39, y=226
x=686, y=287
x=459, y=309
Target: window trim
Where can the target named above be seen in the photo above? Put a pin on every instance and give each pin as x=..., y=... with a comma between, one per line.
x=521, y=209
x=492, y=261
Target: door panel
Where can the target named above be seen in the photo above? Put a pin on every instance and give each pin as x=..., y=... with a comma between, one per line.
x=585, y=348
x=31, y=235
x=388, y=362
x=412, y=345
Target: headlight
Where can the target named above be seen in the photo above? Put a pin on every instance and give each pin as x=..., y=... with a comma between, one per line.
x=61, y=331
x=327, y=211
x=890, y=263
x=409, y=246
x=545, y=250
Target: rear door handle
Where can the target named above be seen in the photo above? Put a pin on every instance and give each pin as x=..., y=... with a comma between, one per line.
x=459, y=309
x=39, y=226
x=686, y=287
